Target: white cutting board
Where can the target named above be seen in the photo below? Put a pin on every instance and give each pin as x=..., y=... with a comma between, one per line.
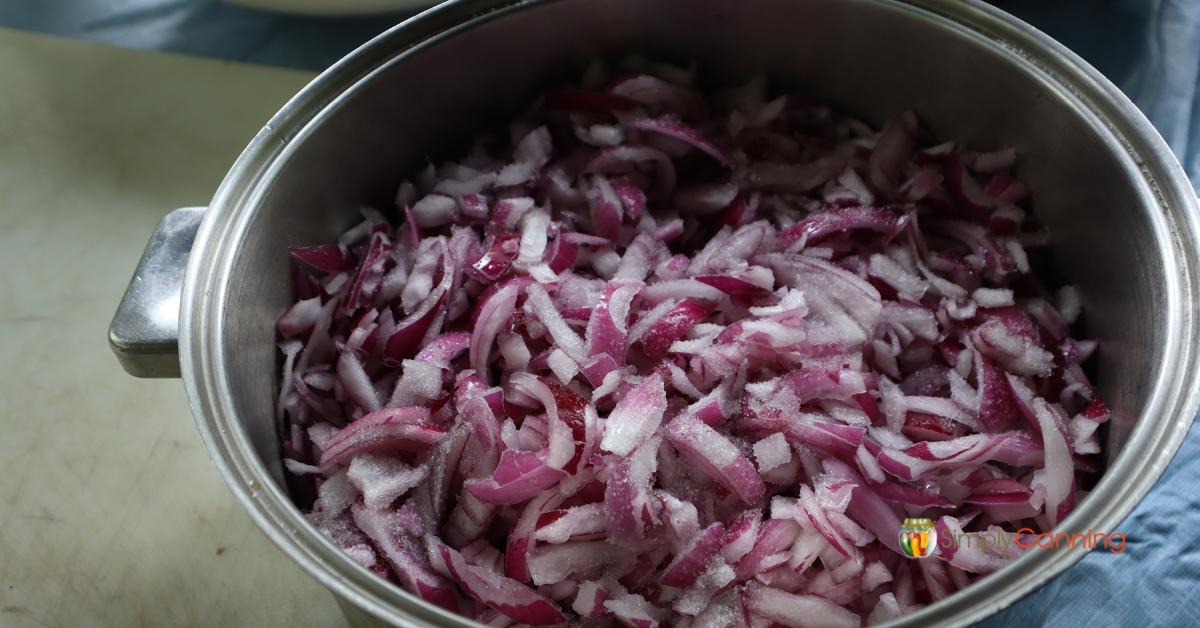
x=110, y=511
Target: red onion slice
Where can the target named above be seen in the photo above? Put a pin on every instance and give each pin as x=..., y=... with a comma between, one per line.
x=627, y=501
x=672, y=127
x=518, y=477
x=719, y=458
x=406, y=556
x=402, y=430
x=517, y=601
x=892, y=149
x=800, y=611
x=661, y=95
x=690, y=562
x=329, y=258
x=636, y=416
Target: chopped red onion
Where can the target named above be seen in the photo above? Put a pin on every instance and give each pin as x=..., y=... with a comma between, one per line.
x=669, y=360
x=636, y=416
x=515, y=600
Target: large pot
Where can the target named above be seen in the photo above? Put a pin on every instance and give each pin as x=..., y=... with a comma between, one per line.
x=1121, y=211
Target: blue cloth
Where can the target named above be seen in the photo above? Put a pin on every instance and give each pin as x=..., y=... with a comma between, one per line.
x=1150, y=48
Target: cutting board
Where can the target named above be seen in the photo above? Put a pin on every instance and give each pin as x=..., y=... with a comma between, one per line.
x=110, y=512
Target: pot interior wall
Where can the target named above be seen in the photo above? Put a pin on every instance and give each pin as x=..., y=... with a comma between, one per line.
x=870, y=59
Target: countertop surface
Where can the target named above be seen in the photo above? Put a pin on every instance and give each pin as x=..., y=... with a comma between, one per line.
x=110, y=512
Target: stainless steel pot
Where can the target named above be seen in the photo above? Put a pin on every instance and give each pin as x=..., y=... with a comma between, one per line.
x=1120, y=209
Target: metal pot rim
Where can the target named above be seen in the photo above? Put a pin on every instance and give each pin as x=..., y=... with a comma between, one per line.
x=1151, y=446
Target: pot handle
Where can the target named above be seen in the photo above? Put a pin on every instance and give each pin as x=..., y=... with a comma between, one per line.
x=144, y=333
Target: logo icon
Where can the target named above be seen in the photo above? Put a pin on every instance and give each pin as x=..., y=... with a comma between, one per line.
x=918, y=538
